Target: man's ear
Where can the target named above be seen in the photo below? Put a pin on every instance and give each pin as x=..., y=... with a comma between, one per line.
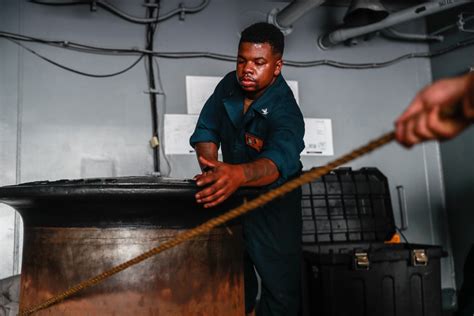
x=278, y=65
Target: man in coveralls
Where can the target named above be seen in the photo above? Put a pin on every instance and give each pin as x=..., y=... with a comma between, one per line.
x=253, y=115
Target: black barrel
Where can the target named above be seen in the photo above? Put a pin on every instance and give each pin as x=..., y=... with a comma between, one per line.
x=76, y=229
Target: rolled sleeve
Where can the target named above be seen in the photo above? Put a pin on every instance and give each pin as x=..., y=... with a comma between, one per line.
x=204, y=134
x=208, y=125
x=285, y=142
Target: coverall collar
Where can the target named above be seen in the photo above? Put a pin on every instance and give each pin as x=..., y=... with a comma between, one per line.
x=263, y=106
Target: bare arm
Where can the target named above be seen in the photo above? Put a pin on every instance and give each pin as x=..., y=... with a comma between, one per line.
x=224, y=179
x=423, y=119
x=260, y=172
x=469, y=98
x=206, y=150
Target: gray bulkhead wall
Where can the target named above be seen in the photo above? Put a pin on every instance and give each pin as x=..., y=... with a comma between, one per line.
x=74, y=126
x=457, y=154
x=9, y=100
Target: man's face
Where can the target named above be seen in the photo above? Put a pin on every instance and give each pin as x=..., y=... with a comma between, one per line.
x=257, y=67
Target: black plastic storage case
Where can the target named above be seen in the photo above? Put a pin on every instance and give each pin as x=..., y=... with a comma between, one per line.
x=348, y=269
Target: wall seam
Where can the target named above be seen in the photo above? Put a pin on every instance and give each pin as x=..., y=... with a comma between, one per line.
x=17, y=223
x=447, y=237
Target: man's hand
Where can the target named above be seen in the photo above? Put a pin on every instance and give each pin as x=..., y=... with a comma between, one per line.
x=424, y=120
x=221, y=180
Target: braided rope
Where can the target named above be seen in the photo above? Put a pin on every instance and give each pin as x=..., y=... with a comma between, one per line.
x=263, y=199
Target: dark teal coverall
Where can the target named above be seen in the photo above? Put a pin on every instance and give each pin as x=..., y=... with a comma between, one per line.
x=272, y=128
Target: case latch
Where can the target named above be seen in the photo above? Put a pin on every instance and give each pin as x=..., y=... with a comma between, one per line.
x=361, y=261
x=419, y=257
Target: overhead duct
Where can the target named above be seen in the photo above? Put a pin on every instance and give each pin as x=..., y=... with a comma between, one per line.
x=363, y=12
x=339, y=36
x=284, y=18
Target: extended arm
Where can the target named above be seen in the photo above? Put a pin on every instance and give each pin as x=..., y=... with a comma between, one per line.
x=224, y=179
x=260, y=172
x=423, y=119
x=207, y=150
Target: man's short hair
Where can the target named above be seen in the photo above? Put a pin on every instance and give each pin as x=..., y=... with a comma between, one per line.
x=264, y=33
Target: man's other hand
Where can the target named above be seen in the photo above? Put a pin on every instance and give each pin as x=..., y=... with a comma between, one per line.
x=220, y=181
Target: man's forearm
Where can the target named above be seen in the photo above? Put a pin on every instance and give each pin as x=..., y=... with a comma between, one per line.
x=207, y=150
x=469, y=99
x=260, y=172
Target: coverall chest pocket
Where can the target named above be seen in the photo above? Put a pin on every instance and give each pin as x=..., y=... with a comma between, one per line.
x=255, y=136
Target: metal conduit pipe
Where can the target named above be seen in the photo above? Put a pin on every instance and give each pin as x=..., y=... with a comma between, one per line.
x=336, y=37
x=394, y=34
x=181, y=10
x=284, y=18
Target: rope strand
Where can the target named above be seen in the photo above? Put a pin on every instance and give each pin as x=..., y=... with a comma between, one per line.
x=263, y=199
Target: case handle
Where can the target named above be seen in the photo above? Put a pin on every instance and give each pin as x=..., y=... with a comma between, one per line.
x=402, y=202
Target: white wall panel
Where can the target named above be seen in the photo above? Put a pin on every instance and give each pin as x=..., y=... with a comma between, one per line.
x=7, y=221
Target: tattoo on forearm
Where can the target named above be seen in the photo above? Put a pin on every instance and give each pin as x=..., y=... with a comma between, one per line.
x=259, y=169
